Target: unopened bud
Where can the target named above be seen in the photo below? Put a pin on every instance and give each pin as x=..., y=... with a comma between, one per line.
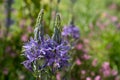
x=57, y=31
x=39, y=28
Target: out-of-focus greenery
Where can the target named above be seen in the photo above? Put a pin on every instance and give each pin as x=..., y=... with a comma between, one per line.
x=98, y=21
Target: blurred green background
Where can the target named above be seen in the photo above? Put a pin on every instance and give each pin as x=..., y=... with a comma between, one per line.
x=98, y=21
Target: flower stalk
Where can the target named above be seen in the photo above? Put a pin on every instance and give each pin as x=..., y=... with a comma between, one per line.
x=57, y=31
x=46, y=56
x=39, y=28
x=38, y=78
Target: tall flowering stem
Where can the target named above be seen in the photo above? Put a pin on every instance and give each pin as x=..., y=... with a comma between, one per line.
x=71, y=32
x=8, y=11
x=45, y=55
x=8, y=6
x=57, y=6
x=57, y=30
x=39, y=30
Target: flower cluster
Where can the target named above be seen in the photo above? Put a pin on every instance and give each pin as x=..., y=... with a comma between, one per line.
x=52, y=53
x=107, y=71
x=71, y=31
x=96, y=71
x=43, y=52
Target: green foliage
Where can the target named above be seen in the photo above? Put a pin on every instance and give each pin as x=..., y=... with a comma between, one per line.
x=114, y=53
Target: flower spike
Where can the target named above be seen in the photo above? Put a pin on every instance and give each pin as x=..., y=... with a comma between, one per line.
x=40, y=17
x=39, y=30
x=57, y=31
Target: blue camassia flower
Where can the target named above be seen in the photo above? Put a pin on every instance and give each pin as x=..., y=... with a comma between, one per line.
x=54, y=55
x=31, y=52
x=71, y=31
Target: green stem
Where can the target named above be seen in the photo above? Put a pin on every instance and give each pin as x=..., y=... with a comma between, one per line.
x=38, y=78
x=53, y=77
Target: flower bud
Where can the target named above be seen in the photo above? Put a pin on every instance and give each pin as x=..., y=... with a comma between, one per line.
x=57, y=32
x=39, y=30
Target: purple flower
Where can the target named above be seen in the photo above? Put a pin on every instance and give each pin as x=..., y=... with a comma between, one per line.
x=54, y=54
x=71, y=31
x=43, y=52
x=32, y=53
x=27, y=65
